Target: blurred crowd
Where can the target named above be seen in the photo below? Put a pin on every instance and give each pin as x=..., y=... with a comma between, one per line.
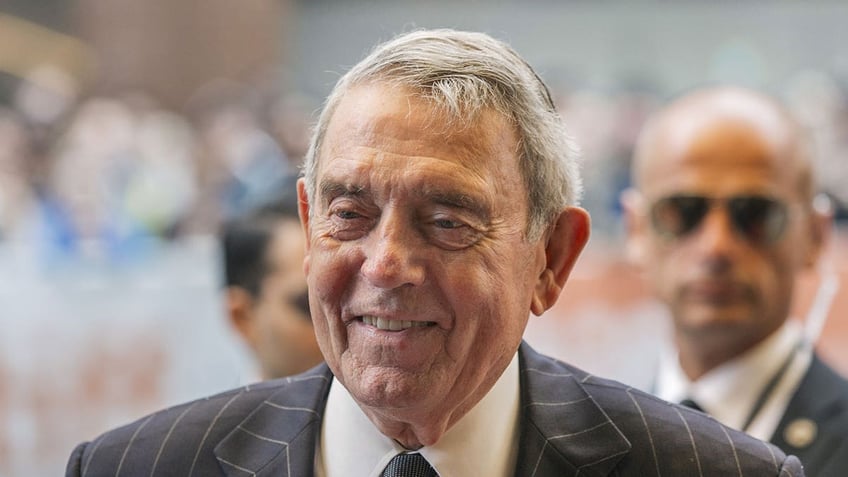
x=605, y=125
x=112, y=174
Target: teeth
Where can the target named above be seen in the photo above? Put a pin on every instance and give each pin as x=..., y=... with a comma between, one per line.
x=392, y=325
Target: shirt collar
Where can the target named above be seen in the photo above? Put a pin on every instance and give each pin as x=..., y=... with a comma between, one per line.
x=483, y=442
x=730, y=391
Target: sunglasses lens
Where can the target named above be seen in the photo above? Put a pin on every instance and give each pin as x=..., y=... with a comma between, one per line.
x=676, y=216
x=759, y=219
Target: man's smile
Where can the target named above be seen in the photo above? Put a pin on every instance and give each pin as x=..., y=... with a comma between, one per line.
x=394, y=325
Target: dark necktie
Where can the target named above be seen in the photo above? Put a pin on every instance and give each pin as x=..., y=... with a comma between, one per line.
x=691, y=404
x=409, y=465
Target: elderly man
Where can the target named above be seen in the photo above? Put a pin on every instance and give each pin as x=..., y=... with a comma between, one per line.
x=438, y=207
x=722, y=223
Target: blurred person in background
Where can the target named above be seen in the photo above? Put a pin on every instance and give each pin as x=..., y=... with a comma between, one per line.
x=289, y=121
x=438, y=205
x=722, y=221
x=123, y=173
x=266, y=298
x=245, y=164
x=16, y=197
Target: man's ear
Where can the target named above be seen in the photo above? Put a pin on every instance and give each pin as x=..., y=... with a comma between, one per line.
x=240, y=313
x=303, y=213
x=633, y=207
x=303, y=209
x=821, y=226
x=564, y=244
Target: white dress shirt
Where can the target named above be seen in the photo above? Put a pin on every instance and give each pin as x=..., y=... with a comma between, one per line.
x=484, y=442
x=731, y=391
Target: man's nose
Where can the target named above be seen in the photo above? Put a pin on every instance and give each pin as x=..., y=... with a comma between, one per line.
x=716, y=237
x=393, y=254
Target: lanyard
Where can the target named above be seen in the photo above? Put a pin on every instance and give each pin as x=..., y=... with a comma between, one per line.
x=772, y=385
x=813, y=325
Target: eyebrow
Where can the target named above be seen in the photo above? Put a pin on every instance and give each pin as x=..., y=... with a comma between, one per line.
x=457, y=200
x=332, y=189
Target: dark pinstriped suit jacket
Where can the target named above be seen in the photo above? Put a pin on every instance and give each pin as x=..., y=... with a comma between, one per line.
x=572, y=424
x=822, y=397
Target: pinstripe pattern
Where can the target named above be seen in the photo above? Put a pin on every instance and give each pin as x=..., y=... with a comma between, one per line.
x=626, y=432
x=93, y=451
x=208, y=430
x=573, y=424
x=267, y=439
x=183, y=440
x=733, y=448
x=539, y=460
x=695, y=453
x=168, y=436
x=647, y=430
x=129, y=444
x=238, y=467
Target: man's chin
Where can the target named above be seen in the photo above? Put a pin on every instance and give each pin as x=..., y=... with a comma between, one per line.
x=705, y=319
x=391, y=389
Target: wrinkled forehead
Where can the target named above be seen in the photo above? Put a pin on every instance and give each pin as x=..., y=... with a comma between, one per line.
x=399, y=118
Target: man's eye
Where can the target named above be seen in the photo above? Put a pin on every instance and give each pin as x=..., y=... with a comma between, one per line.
x=347, y=214
x=452, y=234
x=347, y=224
x=447, y=224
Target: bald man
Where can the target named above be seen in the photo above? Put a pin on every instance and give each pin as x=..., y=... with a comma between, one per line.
x=721, y=220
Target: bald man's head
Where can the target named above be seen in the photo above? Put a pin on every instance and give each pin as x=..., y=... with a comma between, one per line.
x=721, y=220
x=727, y=116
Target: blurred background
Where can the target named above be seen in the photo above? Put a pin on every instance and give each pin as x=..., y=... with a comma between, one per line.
x=130, y=129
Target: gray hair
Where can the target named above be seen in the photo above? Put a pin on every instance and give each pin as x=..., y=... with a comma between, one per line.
x=465, y=73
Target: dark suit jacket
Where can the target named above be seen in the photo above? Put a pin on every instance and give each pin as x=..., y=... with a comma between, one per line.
x=572, y=424
x=821, y=399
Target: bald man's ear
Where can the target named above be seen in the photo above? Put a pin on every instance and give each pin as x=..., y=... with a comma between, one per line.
x=239, y=304
x=567, y=239
x=635, y=226
x=821, y=227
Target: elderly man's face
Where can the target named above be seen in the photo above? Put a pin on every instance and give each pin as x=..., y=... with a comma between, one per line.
x=420, y=275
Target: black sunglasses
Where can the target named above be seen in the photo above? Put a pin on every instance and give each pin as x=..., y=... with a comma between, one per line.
x=758, y=219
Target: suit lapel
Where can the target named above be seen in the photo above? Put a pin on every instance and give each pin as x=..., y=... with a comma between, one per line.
x=564, y=431
x=280, y=436
x=816, y=401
